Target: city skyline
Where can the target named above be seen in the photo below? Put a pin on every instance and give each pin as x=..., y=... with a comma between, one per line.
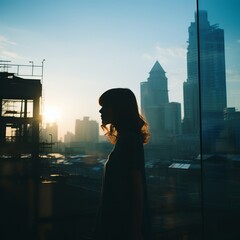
x=86, y=53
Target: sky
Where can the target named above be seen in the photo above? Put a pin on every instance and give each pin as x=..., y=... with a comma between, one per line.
x=90, y=46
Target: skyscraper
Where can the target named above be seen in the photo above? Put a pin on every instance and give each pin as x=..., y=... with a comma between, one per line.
x=164, y=118
x=209, y=44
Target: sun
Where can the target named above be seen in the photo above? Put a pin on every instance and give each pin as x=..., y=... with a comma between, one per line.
x=51, y=114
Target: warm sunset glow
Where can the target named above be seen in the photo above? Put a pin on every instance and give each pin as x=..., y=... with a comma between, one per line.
x=51, y=114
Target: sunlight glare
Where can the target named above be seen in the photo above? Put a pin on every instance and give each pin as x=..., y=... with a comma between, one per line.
x=51, y=114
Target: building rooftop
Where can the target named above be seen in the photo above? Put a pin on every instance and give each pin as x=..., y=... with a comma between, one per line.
x=157, y=68
x=17, y=88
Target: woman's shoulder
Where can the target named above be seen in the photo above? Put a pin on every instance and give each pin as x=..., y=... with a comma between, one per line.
x=129, y=141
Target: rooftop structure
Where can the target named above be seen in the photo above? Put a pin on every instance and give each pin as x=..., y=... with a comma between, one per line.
x=19, y=113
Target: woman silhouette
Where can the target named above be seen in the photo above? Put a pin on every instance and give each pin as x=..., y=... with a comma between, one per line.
x=123, y=212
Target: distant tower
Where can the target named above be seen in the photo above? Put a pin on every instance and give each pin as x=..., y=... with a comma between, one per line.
x=212, y=73
x=86, y=131
x=155, y=106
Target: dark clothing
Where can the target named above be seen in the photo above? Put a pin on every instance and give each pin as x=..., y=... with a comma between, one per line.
x=115, y=218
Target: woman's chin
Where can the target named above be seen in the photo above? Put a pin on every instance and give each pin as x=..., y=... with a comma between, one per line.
x=104, y=122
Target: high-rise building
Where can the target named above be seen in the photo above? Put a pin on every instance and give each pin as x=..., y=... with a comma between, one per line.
x=209, y=44
x=173, y=120
x=164, y=118
x=191, y=86
x=231, y=141
x=86, y=131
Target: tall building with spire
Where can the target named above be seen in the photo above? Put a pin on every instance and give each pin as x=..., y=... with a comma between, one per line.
x=191, y=86
x=209, y=44
x=164, y=118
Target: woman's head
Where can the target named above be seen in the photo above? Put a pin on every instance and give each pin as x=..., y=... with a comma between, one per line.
x=120, y=110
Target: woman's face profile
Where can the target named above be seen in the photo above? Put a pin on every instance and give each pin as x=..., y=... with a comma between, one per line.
x=106, y=114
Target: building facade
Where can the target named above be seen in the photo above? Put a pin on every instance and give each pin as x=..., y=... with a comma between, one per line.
x=69, y=138
x=86, y=131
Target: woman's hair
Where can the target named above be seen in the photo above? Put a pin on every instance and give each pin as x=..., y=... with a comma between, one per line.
x=126, y=116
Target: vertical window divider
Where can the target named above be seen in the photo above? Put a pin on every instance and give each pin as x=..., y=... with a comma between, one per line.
x=200, y=120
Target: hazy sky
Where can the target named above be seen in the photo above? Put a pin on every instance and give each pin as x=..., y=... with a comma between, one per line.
x=91, y=46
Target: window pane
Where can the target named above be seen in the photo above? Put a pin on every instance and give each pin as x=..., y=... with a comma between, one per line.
x=166, y=48
x=220, y=91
